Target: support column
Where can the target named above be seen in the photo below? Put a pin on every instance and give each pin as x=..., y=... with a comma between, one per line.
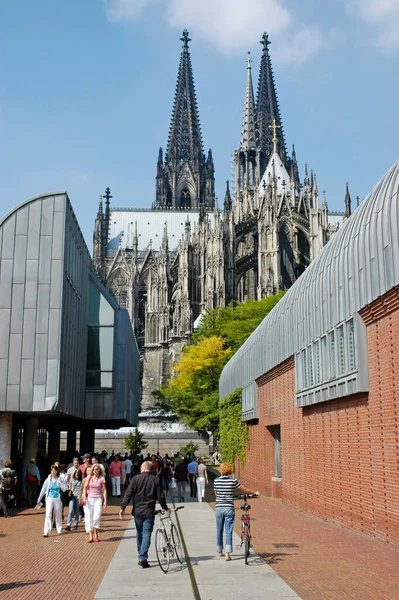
x=87, y=439
x=29, y=448
x=71, y=444
x=5, y=436
x=54, y=438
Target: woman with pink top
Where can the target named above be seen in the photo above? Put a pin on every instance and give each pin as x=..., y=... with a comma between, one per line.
x=115, y=469
x=95, y=496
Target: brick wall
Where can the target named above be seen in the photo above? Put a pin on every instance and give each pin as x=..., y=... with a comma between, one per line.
x=340, y=459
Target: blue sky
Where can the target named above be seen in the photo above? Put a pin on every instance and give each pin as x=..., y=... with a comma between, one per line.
x=87, y=87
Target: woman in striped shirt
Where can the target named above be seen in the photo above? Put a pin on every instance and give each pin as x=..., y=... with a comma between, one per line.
x=224, y=487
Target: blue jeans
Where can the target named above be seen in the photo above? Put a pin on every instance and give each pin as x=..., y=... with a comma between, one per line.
x=144, y=529
x=73, y=510
x=224, y=520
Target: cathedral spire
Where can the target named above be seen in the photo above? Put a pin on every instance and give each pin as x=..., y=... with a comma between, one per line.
x=185, y=179
x=348, y=202
x=185, y=139
x=248, y=139
x=267, y=108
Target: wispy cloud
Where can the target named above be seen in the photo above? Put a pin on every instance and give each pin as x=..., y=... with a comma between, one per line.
x=383, y=18
x=233, y=26
x=126, y=10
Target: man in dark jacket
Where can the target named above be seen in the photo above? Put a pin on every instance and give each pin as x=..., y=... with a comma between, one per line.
x=145, y=489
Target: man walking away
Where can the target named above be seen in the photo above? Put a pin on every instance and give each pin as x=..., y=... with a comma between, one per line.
x=181, y=476
x=145, y=489
x=192, y=467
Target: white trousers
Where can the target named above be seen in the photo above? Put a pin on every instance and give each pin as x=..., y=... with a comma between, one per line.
x=116, y=486
x=56, y=505
x=94, y=508
x=200, y=488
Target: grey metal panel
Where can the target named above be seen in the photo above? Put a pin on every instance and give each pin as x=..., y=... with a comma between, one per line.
x=359, y=264
x=35, y=211
x=20, y=259
x=45, y=258
x=46, y=225
x=5, y=316
x=60, y=202
x=7, y=246
x=29, y=333
x=12, y=398
x=22, y=221
x=17, y=310
x=14, y=366
x=89, y=414
x=40, y=359
x=54, y=334
x=3, y=382
x=52, y=383
x=6, y=267
x=57, y=281
x=26, y=390
x=32, y=266
x=39, y=397
x=43, y=305
x=58, y=236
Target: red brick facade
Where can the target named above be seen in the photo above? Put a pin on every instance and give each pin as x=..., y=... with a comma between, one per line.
x=339, y=459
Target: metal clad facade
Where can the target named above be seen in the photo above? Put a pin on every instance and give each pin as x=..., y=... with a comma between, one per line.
x=45, y=269
x=359, y=264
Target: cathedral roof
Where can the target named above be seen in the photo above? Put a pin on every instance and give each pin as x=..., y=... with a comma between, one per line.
x=275, y=170
x=150, y=227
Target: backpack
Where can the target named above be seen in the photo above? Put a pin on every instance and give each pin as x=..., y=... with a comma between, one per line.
x=8, y=479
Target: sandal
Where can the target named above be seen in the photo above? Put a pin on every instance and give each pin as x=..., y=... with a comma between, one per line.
x=90, y=541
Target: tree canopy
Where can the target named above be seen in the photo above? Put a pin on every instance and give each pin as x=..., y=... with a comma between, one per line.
x=193, y=392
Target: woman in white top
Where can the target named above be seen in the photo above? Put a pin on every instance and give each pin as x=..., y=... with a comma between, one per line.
x=201, y=478
x=51, y=489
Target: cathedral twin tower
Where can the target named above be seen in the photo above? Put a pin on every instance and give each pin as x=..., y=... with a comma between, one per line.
x=169, y=264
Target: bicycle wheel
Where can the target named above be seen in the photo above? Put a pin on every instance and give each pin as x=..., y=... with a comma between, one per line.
x=177, y=543
x=246, y=543
x=161, y=548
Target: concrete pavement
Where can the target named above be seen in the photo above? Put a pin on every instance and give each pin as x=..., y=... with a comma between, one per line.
x=203, y=576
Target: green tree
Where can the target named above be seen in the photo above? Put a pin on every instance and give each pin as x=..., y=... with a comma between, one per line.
x=190, y=449
x=192, y=394
x=135, y=441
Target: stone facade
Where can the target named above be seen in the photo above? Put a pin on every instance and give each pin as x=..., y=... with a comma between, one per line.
x=169, y=264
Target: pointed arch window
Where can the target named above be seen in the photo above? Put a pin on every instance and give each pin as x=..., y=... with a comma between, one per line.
x=185, y=199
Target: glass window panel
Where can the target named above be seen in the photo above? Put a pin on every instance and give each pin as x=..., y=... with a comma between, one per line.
x=350, y=331
x=333, y=363
x=310, y=365
x=317, y=361
x=93, y=379
x=324, y=355
x=341, y=350
x=299, y=372
x=106, y=380
x=100, y=311
x=106, y=348
x=305, y=369
x=93, y=349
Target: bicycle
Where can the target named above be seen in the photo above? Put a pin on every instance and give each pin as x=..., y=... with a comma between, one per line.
x=167, y=540
x=246, y=536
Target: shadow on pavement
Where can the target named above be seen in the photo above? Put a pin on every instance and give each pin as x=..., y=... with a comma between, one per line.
x=17, y=584
x=274, y=558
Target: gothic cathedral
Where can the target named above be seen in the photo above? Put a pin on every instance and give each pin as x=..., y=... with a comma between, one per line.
x=170, y=263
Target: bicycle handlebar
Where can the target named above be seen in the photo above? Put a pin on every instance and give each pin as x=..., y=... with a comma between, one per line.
x=245, y=496
x=161, y=511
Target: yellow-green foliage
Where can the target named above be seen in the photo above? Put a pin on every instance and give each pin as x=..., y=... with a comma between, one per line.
x=193, y=394
x=233, y=433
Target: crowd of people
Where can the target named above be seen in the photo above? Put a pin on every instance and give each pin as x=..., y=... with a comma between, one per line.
x=82, y=487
